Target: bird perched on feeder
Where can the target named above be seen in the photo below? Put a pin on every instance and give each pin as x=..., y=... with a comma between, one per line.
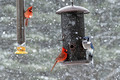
x=28, y=14
x=61, y=57
x=87, y=44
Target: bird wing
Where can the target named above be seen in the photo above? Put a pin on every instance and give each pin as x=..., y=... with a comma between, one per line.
x=91, y=45
x=62, y=55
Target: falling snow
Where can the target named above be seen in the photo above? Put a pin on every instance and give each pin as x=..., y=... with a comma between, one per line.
x=102, y=24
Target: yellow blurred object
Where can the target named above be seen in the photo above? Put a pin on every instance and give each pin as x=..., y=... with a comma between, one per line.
x=21, y=50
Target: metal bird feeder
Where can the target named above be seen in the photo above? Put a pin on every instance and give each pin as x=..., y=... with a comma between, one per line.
x=73, y=30
x=21, y=49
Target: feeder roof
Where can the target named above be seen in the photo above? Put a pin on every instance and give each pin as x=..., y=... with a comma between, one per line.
x=73, y=9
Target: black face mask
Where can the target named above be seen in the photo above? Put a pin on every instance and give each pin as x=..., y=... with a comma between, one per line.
x=30, y=10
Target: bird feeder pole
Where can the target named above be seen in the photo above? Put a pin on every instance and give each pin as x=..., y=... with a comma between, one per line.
x=20, y=22
x=73, y=30
x=20, y=27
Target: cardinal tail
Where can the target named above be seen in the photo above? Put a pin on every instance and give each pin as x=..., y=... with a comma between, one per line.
x=26, y=22
x=54, y=65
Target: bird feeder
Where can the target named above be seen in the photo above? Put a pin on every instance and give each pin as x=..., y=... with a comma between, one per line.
x=73, y=30
x=21, y=49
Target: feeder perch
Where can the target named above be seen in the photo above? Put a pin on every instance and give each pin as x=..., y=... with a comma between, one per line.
x=20, y=28
x=21, y=50
x=73, y=30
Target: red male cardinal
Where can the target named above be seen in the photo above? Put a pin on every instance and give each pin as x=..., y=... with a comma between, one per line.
x=61, y=57
x=28, y=14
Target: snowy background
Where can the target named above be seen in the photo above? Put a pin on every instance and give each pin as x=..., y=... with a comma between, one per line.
x=43, y=32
